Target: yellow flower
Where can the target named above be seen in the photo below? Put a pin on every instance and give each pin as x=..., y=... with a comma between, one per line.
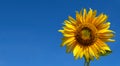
x=86, y=35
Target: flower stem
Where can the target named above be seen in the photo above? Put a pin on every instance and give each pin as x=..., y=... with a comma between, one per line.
x=87, y=63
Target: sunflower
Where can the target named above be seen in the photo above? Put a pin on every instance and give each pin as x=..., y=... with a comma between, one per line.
x=86, y=36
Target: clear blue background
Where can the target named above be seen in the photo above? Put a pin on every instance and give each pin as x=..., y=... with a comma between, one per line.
x=29, y=31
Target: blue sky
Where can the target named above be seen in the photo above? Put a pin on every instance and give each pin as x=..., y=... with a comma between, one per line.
x=29, y=31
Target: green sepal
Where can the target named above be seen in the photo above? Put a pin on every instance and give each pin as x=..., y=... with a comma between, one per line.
x=106, y=53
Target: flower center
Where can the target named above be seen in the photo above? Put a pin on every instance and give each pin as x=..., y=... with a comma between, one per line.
x=86, y=35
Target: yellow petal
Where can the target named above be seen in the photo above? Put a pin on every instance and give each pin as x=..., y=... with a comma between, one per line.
x=79, y=52
x=94, y=20
x=67, y=22
x=84, y=15
x=106, y=47
x=76, y=49
x=78, y=17
x=72, y=20
x=82, y=52
x=104, y=26
x=69, y=35
x=70, y=48
x=108, y=40
x=81, y=17
x=105, y=50
x=93, y=15
x=87, y=55
x=69, y=26
x=105, y=35
x=105, y=31
x=91, y=52
x=103, y=46
x=100, y=43
x=61, y=31
x=95, y=50
x=97, y=19
x=67, y=40
x=89, y=16
x=70, y=43
x=67, y=31
x=101, y=20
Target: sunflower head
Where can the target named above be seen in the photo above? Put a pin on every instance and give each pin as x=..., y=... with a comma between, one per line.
x=86, y=36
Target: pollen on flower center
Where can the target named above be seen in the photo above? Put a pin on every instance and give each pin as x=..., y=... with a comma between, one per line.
x=85, y=35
